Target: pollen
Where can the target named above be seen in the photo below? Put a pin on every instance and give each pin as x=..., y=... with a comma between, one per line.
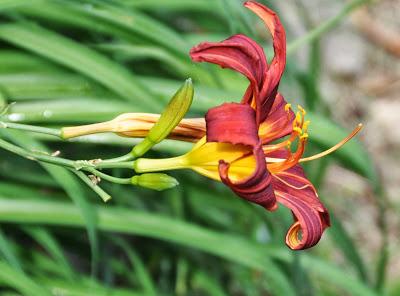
x=288, y=107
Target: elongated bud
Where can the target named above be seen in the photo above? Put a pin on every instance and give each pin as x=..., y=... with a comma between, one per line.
x=155, y=181
x=169, y=119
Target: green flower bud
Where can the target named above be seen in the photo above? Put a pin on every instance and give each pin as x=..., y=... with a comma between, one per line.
x=169, y=119
x=155, y=181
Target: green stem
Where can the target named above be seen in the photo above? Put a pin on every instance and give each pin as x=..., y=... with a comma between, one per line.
x=324, y=27
x=38, y=156
x=108, y=177
x=96, y=188
x=77, y=164
x=114, y=165
x=31, y=128
x=122, y=158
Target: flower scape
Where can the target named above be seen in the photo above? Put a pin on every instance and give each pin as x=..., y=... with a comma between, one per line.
x=254, y=146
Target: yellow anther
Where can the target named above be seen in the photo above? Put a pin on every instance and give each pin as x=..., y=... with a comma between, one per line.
x=288, y=107
x=298, y=130
x=301, y=110
x=304, y=136
x=298, y=117
x=306, y=124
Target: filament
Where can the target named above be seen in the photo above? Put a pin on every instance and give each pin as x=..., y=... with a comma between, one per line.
x=334, y=148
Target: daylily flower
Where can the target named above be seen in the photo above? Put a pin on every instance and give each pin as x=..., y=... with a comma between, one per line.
x=238, y=149
x=236, y=142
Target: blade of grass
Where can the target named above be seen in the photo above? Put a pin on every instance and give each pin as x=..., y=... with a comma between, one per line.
x=172, y=5
x=49, y=243
x=80, y=58
x=140, y=52
x=25, y=86
x=13, y=61
x=153, y=226
x=203, y=282
x=111, y=19
x=8, y=253
x=242, y=251
x=136, y=23
x=140, y=270
x=71, y=186
x=20, y=282
x=346, y=244
x=10, y=4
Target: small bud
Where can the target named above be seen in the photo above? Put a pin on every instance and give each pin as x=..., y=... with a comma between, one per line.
x=155, y=181
x=169, y=119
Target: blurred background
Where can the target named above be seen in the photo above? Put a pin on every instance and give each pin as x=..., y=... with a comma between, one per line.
x=74, y=62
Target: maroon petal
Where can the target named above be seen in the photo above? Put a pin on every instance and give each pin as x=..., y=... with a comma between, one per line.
x=232, y=123
x=279, y=122
x=277, y=65
x=239, y=53
x=236, y=124
x=296, y=192
x=257, y=188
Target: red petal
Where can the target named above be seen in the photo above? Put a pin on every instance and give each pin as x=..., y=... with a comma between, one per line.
x=238, y=52
x=296, y=192
x=236, y=124
x=232, y=123
x=277, y=66
x=256, y=188
x=279, y=123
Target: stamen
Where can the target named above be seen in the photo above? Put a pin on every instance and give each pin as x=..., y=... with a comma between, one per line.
x=298, y=118
x=288, y=107
x=290, y=161
x=304, y=136
x=298, y=130
x=334, y=148
x=305, y=125
x=301, y=110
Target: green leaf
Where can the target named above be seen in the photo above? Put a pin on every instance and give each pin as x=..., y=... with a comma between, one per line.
x=172, y=5
x=28, y=86
x=230, y=247
x=343, y=240
x=80, y=58
x=137, y=23
x=20, y=282
x=48, y=242
x=11, y=4
x=70, y=185
x=8, y=253
x=139, y=267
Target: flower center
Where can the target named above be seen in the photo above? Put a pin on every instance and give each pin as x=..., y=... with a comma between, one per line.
x=279, y=157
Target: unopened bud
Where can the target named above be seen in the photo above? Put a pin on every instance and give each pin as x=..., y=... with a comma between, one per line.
x=155, y=181
x=169, y=119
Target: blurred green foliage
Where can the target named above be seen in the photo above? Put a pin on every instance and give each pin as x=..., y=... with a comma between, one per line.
x=74, y=62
